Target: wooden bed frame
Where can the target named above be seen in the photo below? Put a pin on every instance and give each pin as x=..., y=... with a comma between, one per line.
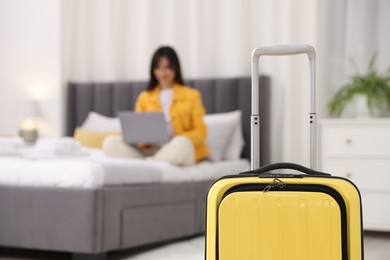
x=91, y=222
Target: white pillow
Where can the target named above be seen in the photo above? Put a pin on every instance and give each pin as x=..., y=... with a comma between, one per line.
x=237, y=142
x=99, y=123
x=224, y=137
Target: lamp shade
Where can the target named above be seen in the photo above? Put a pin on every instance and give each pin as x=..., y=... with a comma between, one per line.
x=28, y=113
x=29, y=109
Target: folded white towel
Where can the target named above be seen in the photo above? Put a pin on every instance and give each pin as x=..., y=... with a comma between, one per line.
x=11, y=142
x=64, y=143
x=54, y=148
x=52, y=152
x=11, y=146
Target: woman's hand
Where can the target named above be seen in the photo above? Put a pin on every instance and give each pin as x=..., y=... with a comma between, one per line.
x=172, y=135
x=144, y=146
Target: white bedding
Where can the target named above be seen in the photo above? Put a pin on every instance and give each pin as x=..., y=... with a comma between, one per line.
x=96, y=170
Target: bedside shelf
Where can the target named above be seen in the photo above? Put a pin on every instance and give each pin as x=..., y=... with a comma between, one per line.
x=359, y=149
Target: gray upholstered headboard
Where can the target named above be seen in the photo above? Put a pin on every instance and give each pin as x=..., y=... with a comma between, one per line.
x=219, y=95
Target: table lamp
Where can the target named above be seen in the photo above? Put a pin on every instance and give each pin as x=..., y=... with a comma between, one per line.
x=29, y=114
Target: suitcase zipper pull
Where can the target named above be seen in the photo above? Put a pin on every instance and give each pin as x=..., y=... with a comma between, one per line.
x=276, y=183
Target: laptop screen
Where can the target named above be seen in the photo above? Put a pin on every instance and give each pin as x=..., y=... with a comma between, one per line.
x=145, y=127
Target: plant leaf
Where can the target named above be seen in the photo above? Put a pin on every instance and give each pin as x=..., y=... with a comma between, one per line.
x=373, y=85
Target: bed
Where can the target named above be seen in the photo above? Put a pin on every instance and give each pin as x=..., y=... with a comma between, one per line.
x=92, y=221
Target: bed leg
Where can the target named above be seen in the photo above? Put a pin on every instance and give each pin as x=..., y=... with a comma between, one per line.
x=101, y=256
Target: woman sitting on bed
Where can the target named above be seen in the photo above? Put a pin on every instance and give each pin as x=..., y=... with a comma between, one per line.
x=183, y=111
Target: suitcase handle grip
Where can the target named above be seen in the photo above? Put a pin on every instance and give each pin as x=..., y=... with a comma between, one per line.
x=291, y=166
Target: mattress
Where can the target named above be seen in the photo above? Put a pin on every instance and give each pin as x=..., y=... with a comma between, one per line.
x=97, y=170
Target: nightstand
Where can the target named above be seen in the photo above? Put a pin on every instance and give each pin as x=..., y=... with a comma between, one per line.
x=359, y=149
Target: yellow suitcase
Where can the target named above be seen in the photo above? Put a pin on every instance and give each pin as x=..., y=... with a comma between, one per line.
x=262, y=215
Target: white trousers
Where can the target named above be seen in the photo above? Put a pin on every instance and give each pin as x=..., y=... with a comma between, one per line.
x=179, y=150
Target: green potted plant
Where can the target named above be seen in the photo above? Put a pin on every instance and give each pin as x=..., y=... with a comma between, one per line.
x=372, y=85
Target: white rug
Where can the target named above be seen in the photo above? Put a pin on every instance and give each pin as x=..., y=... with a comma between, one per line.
x=376, y=247
x=192, y=249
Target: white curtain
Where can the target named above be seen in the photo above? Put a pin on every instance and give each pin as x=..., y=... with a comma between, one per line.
x=350, y=30
x=113, y=40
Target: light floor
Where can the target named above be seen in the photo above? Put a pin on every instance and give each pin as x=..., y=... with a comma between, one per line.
x=376, y=247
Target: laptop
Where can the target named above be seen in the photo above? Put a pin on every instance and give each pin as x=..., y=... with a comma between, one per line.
x=145, y=127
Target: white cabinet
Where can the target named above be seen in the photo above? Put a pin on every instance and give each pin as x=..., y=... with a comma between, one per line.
x=359, y=149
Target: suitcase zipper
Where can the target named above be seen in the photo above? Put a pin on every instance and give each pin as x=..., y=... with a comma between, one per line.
x=279, y=185
x=276, y=183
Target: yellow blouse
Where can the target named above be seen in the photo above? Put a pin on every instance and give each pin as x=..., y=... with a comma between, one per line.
x=186, y=113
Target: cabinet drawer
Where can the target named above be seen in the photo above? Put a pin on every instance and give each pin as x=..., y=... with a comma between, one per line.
x=366, y=174
x=372, y=141
x=376, y=211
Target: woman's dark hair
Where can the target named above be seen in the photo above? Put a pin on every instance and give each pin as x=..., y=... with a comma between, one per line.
x=170, y=54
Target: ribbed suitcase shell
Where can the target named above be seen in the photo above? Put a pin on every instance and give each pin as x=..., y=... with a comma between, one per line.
x=281, y=225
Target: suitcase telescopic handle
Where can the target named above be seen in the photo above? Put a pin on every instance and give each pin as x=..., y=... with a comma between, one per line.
x=291, y=166
x=255, y=119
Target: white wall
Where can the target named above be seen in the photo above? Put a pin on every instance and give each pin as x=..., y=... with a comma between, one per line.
x=30, y=62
